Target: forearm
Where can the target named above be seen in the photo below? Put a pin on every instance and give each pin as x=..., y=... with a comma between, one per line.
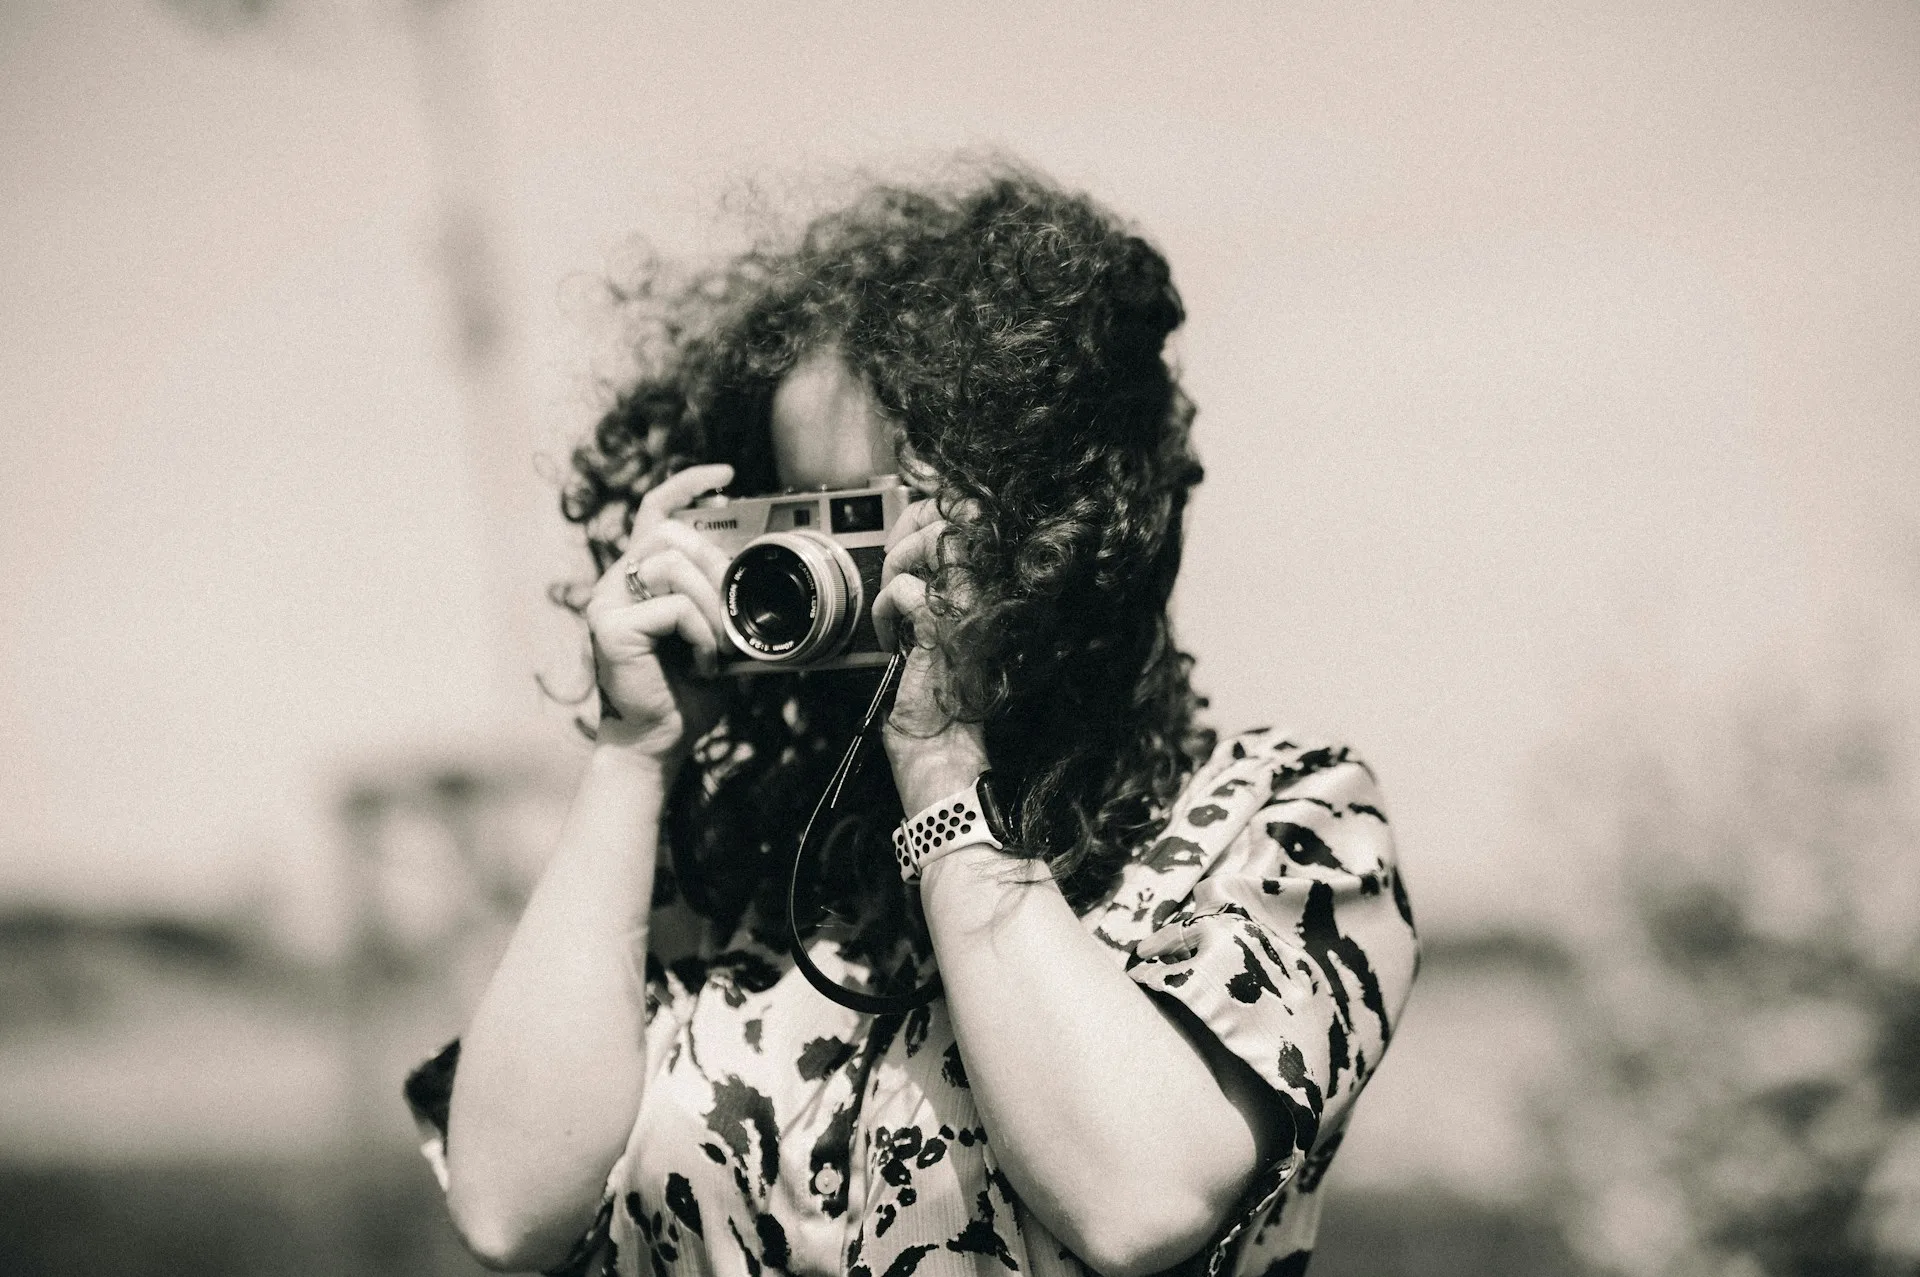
x=1105, y=1116
x=1129, y=1137
x=551, y=1067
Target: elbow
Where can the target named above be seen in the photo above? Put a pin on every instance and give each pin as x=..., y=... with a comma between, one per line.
x=1136, y=1263
x=494, y=1249
x=496, y=1245
x=504, y=1242
x=1139, y=1242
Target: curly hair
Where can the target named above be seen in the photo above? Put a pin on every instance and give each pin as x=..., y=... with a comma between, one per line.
x=1015, y=333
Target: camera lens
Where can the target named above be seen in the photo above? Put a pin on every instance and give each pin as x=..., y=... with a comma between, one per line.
x=773, y=600
x=790, y=598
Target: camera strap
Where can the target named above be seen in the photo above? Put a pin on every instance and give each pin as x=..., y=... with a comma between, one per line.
x=852, y=999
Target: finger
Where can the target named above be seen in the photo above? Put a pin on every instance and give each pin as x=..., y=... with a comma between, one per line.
x=667, y=536
x=962, y=510
x=671, y=534
x=679, y=490
x=611, y=591
x=917, y=552
x=671, y=572
x=694, y=630
x=903, y=598
x=645, y=623
x=916, y=516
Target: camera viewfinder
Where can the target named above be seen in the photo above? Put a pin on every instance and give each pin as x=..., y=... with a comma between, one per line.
x=858, y=514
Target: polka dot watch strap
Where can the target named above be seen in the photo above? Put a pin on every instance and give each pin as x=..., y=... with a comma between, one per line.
x=959, y=820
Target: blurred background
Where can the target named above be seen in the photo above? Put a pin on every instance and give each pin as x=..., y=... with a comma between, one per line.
x=1558, y=390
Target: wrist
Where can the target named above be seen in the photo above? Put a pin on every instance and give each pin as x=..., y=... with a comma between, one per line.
x=927, y=768
x=638, y=753
x=968, y=885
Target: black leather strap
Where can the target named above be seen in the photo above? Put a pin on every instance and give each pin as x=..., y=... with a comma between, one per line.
x=853, y=999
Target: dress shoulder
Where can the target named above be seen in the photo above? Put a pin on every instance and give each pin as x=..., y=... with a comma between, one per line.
x=1254, y=776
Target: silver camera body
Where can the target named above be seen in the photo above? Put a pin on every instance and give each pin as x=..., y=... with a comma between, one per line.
x=798, y=593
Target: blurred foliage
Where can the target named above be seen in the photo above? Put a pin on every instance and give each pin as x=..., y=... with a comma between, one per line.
x=1427, y=1232
x=371, y=1216
x=378, y=1215
x=1747, y=1024
x=60, y=968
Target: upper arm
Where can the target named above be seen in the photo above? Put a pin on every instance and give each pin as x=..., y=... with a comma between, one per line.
x=1290, y=958
x=1252, y=1102
x=1296, y=951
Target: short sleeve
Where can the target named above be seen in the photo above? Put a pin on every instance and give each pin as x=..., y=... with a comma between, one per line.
x=1295, y=946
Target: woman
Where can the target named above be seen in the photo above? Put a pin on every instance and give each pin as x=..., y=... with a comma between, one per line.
x=1163, y=985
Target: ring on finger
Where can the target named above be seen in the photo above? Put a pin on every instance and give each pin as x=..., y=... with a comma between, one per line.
x=635, y=586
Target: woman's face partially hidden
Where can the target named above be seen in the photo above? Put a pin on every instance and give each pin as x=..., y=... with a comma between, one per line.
x=827, y=430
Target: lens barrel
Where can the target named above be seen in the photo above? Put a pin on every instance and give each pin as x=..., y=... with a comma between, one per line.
x=791, y=598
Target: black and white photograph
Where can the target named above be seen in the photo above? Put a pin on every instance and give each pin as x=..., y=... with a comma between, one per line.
x=901, y=640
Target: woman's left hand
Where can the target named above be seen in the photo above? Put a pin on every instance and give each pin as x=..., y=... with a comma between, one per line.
x=932, y=753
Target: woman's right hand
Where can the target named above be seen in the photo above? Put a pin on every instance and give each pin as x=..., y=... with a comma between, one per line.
x=658, y=696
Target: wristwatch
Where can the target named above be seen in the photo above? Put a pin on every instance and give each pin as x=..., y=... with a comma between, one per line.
x=970, y=817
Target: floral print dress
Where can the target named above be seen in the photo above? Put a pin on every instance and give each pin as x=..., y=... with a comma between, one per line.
x=782, y=1133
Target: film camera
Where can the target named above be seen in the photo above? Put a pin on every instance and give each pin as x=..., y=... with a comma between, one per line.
x=799, y=592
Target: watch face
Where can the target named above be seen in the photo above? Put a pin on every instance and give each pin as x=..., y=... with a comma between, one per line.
x=992, y=808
